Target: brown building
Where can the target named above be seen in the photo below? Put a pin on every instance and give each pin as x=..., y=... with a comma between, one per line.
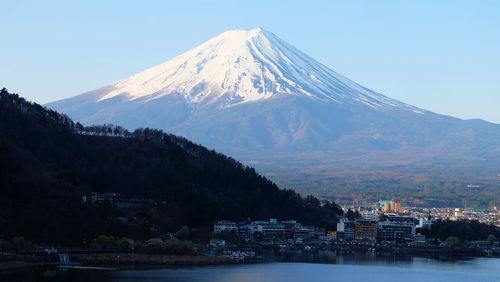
x=392, y=207
x=366, y=230
x=332, y=234
x=397, y=207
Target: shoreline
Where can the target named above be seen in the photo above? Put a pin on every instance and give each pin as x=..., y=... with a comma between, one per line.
x=127, y=259
x=8, y=266
x=130, y=260
x=119, y=260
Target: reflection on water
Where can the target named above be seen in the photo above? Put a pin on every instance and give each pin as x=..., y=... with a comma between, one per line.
x=338, y=257
x=288, y=266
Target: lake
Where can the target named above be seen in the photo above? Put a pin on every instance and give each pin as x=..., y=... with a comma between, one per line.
x=339, y=268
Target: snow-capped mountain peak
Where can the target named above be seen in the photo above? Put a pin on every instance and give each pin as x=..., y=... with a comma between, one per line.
x=249, y=94
x=241, y=66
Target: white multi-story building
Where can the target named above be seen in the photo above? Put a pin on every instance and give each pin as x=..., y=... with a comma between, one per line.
x=369, y=215
x=346, y=228
x=269, y=229
x=225, y=226
x=396, y=228
x=340, y=225
x=424, y=223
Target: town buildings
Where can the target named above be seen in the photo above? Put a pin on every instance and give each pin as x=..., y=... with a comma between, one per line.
x=369, y=215
x=427, y=215
x=370, y=224
x=365, y=230
x=391, y=206
x=225, y=226
x=396, y=228
x=391, y=227
x=346, y=229
x=274, y=229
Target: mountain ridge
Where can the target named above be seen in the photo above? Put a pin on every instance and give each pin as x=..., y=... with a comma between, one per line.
x=251, y=95
x=254, y=64
x=47, y=163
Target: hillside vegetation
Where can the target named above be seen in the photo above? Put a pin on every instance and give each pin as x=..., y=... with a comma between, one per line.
x=47, y=163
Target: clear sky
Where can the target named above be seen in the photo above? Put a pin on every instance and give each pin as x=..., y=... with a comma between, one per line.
x=442, y=56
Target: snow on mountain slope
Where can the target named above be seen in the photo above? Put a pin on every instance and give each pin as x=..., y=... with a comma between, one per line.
x=251, y=95
x=243, y=66
x=247, y=91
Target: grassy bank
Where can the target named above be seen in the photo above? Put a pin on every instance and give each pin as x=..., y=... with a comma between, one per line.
x=149, y=259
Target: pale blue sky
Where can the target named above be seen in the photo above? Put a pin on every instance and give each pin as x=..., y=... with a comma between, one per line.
x=443, y=56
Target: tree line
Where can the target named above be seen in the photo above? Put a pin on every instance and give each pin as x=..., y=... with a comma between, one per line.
x=47, y=162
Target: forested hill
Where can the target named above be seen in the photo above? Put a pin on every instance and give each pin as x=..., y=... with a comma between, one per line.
x=47, y=163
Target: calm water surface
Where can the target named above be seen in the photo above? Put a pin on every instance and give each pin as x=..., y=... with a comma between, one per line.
x=413, y=269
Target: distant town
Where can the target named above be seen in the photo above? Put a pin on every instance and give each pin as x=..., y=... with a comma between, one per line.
x=386, y=222
x=384, y=227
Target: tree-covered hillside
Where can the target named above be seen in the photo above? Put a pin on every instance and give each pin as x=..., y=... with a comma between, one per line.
x=47, y=163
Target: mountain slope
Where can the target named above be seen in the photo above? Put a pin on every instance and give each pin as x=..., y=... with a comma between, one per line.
x=235, y=68
x=250, y=94
x=241, y=66
x=47, y=163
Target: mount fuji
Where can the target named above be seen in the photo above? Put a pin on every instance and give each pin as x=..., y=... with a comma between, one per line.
x=249, y=94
